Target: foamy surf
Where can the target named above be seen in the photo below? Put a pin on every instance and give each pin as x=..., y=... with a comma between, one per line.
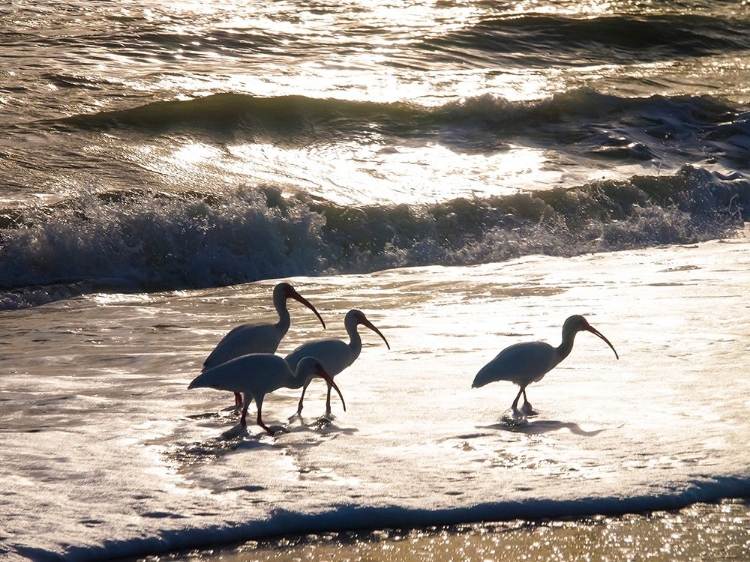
x=417, y=446
x=156, y=243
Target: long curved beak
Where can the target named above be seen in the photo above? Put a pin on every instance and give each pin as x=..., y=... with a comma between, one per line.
x=296, y=296
x=329, y=380
x=370, y=325
x=600, y=335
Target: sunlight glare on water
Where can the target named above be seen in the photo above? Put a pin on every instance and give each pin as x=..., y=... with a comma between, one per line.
x=372, y=59
x=686, y=535
x=409, y=175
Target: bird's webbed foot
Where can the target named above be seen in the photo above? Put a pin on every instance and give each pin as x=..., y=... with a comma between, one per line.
x=233, y=410
x=528, y=410
x=276, y=430
x=513, y=417
x=325, y=420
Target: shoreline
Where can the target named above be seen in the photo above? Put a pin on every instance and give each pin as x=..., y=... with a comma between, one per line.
x=683, y=535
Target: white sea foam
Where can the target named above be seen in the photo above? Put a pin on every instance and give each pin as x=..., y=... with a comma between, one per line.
x=146, y=241
x=107, y=454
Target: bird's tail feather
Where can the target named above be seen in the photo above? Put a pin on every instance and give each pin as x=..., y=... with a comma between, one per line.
x=213, y=378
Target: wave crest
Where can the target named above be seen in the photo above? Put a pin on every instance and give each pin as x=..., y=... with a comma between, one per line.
x=554, y=39
x=142, y=241
x=582, y=123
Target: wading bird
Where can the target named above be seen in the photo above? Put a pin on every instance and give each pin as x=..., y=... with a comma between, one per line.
x=258, y=338
x=258, y=374
x=335, y=355
x=524, y=363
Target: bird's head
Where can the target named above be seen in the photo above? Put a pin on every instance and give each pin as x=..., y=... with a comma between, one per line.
x=358, y=317
x=284, y=291
x=578, y=323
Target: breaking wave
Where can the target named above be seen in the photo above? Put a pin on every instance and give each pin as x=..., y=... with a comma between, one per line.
x=142, y=241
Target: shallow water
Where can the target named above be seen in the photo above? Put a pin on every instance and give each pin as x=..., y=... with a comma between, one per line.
x=96, y=412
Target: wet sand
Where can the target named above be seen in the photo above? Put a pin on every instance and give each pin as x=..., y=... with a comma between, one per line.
x=706, y=532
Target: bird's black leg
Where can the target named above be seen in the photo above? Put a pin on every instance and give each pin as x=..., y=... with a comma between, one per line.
x=243, y=419
x=515, y=402
x=513, y=417
x=301, y=401
x=259, y=420
x=328, y=401
x=527, y=407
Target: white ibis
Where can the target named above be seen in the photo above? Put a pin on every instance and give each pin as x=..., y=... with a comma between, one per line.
x=335, y=355
x=257, y=374
x=524, y=363
x=258, y=338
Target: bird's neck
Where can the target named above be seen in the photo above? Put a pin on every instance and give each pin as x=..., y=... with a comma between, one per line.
x=355, y=340
x=285, y=320
x=295, y=382
x=291, y=378
x=564, y=349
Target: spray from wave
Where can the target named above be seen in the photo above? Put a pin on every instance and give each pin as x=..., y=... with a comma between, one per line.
x=146, y=242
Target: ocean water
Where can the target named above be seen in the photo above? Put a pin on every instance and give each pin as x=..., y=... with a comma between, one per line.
x=467, y=173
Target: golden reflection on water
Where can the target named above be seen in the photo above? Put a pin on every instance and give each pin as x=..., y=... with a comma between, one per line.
x=387, y=29
x=431, y=173
x=707, y=532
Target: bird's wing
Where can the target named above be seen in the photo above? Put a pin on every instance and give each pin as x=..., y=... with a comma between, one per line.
x=335, y=355
x=520, y=363
x=249, y=373
x=243, y=340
